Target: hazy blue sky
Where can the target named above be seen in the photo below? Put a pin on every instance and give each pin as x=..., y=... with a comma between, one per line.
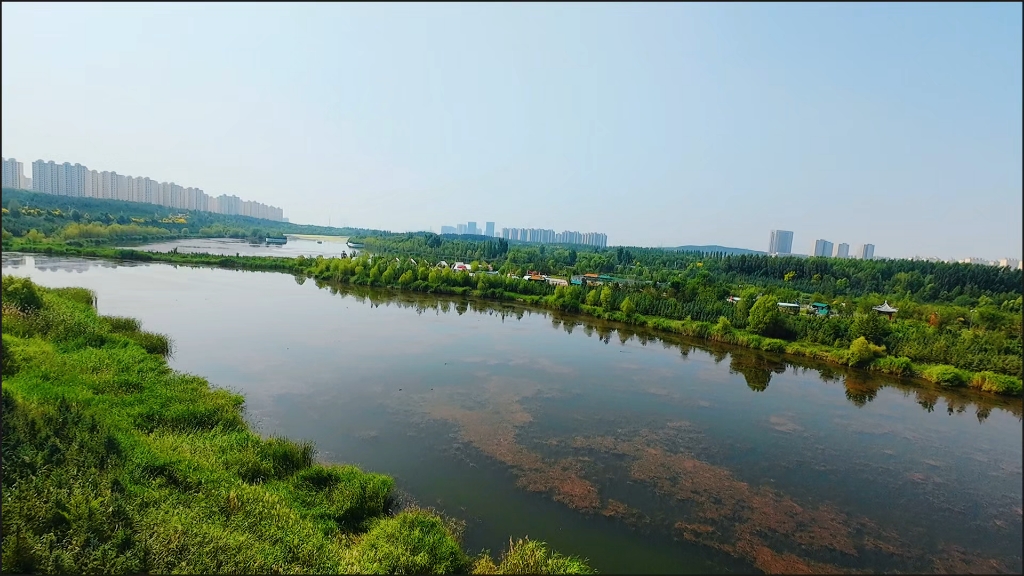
x=660, y=124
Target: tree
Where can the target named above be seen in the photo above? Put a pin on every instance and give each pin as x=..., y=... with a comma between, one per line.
x=764, y=315
x=627, y=307
x=607, y=296
x=863, y=352
x=871, y=326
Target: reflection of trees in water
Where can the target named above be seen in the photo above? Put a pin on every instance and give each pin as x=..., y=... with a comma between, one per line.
x=982, y=413
x=829, y=375
x=955, y=405
x=756, y=374
x=756, y=368
x=859, y=389
x=927, y=399
x=300, y=279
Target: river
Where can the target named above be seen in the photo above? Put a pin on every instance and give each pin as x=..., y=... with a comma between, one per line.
x=642, y=452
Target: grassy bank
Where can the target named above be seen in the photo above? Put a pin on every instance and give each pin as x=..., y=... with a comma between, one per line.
x=858, y=354
x=114, y=463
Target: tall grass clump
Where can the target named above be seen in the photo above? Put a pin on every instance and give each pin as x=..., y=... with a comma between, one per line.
x=998, y=383
x=531, y=557
x=946, y=376
x=895, y=365
x=113, y=463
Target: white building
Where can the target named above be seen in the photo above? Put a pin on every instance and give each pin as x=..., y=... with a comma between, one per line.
x=14, y=174
x=842, y=250
x=1009, y=262
x=822, y=248
x=780, y=242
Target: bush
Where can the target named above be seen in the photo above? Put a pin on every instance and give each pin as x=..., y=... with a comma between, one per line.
x=896, y=365
x=21, y=294
x=998, y=383
x=863, y=352
x=413, y=542
x=945, y=375
x=764, y=315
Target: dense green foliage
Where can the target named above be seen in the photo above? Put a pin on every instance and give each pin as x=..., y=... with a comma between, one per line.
x=113, y=463
x=51, y=215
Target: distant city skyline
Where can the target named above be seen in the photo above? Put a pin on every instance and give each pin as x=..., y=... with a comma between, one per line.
x=78, y=181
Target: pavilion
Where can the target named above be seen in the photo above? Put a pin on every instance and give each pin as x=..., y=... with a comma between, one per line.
x=889, y=311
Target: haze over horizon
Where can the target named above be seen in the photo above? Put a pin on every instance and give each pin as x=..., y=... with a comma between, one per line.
x=659, y=124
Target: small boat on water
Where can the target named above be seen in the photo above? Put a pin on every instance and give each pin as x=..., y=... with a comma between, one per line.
x=319, y=241
x=281, y=240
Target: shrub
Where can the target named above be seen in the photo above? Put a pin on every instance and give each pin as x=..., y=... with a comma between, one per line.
x=412, y=542
x=998, y=383
x=896, y=365
x=945, y=375
x=764, y=315
x=773, y=345
x=863, y=352
x=21, y=293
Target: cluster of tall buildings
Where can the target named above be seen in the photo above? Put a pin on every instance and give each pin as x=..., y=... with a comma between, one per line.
x=551, y=237
x=531, y=234
x=469, y=228
x=780, y=243
x=78, y=181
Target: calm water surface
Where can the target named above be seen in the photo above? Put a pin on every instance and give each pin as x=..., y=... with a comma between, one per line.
x=642, y=454
x=230, y=246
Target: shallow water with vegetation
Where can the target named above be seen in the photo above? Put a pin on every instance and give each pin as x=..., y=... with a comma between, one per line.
x=641, y=452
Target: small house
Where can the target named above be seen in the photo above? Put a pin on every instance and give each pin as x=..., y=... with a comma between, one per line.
x=789, y=307
x=821, y=309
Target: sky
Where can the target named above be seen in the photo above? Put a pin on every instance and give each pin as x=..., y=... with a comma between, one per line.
x=657, y=124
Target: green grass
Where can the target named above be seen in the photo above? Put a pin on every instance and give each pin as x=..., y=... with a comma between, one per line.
x=113, y=463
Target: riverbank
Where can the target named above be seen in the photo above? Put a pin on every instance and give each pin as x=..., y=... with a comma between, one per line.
x=114, y=463
x=861, y=354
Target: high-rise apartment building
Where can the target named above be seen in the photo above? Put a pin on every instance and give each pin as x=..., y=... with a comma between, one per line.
x=842, y=250
x=866, y=252
x=76, y=180
x=780, y=242
x=488, y=228
x=447, y=229
x=822, y=248
x=460, y=228
x=471, y=228
x=14, y=174
x=550, y=237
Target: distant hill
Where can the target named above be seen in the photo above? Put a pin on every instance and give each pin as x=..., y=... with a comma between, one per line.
x=716, y=248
